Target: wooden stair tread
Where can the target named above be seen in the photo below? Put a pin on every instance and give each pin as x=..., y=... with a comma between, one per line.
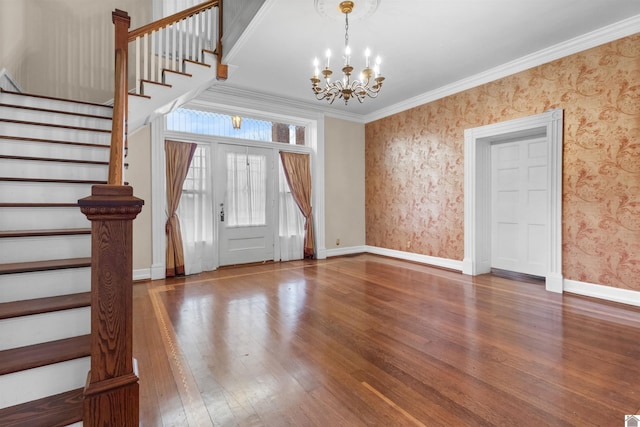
x=29, y=307
x=54, y=141
x=52, y=125
x=155, y=83
x=51, y=232
x=48, y=353
x=51, y=159
x=182, y=73
x=54, y=264
x=47, y=110
x=52, y=411
x=55, y=99
x=197, y=62
x=45, y=180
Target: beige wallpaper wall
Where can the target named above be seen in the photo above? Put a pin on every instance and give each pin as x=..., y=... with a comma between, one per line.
x=415, y=167
x=344, y=183
x=64, y=48
x=138, y=175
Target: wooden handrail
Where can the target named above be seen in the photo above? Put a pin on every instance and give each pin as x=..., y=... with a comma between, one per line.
x=172, y=19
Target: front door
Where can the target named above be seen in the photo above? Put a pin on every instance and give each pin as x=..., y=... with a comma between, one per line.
x=245, y=212
x=519, y=197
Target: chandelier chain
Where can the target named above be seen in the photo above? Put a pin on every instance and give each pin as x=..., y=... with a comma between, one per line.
x=346, y=30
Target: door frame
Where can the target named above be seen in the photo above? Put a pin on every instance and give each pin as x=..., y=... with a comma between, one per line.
x=477, y=190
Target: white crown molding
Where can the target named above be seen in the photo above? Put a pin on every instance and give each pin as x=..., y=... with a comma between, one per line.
x=608, y=293
x=450, y=264
x=586, y=41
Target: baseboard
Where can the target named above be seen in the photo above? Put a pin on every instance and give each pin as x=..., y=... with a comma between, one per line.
x=347, y=250
x=608, y=293
x=450, y=264
x=142, y=274
x=7, y=82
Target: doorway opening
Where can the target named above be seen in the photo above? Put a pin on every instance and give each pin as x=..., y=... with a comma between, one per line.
x=478, y=189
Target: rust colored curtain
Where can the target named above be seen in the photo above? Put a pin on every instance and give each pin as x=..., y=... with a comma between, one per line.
x=297, y=169
x=178, y=158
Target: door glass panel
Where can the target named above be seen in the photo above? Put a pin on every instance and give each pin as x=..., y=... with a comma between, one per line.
x=246, y=189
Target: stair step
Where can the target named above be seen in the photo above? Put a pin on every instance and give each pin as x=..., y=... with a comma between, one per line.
x=38, y=248
x=59, y=104
x=53, y=118
x=36, y=130
x=42, y=284
x=42, y=192
x=54, y=264
x=38, y=205
x=46, y=180
x=33, y=233
x=22, y=167
x=52, y=411
x=53, y=141
x=26, y=215
x=34, y=356
x=52, y=159
x=9, y=310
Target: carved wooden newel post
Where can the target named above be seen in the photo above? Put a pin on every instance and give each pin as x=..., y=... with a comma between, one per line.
x=111, y=392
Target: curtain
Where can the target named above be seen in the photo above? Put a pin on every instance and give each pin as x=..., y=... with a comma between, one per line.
x=246, y=189
x=291, y=226
x=196, y=213
x=297, y=169
x=178, y=158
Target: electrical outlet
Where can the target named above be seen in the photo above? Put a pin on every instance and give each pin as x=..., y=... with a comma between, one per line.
x=409, y=244
x=337, y=242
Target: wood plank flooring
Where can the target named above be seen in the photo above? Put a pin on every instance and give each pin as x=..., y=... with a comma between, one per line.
x=373, y=341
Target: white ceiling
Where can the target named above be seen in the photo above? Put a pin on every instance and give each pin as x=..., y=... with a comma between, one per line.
x=424, y=44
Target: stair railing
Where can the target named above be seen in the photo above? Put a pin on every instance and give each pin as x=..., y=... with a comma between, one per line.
x=111, y=394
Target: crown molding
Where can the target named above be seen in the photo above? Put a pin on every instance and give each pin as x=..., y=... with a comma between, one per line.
x=581, y=43
x=236, y=96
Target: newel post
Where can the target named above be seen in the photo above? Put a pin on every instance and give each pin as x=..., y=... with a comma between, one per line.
x=111, y=393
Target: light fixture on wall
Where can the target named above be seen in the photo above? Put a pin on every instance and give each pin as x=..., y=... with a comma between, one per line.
x=236, y=121
x=369, y=83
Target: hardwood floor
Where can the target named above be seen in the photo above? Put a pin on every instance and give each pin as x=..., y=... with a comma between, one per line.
x=368, y=340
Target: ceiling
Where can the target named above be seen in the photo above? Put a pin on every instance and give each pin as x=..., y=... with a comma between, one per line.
x=425, y=45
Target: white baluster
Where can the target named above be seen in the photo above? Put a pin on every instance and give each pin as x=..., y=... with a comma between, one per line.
x=137, y=59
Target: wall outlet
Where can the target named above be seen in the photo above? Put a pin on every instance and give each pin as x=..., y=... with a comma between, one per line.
x=337, y=242
x=409, y=244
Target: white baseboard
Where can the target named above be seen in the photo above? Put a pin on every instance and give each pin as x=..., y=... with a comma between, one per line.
x=608, y=293
x=451, y=264
x=7, y=82
x=142, y=274
x=347, y=250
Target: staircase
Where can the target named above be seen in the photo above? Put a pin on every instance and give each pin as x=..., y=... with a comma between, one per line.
x=51, y=152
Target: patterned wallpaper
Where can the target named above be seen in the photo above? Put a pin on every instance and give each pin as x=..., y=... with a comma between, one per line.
x=415, y=165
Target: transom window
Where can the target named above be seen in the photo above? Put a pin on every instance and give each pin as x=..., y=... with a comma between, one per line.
x=217, y=124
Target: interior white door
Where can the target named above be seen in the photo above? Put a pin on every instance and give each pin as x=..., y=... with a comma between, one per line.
x=244, y=185
x=519, y=198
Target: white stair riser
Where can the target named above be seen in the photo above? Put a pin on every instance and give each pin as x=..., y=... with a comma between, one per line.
x=11, y=147
x=25, y=386
x=28, y=330
x=42, y=284
x=19, y=168
x=56, y=134
x=40, y=248
x=55, y=104
x=42, y=218
x=37, y=116
x=39, y=192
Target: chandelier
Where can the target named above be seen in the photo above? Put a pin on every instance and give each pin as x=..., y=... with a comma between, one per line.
x=346, y=88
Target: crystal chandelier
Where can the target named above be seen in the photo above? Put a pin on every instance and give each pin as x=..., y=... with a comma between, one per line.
x=346, y=88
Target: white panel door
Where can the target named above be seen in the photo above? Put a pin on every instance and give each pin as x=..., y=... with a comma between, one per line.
x=244, y=183
x=519, y=198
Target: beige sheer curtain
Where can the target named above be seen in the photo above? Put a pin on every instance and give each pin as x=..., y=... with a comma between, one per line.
x=297, y=169
x=178, y=158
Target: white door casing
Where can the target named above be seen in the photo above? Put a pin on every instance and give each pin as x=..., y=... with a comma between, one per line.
x=477, y=190
x=519, y=206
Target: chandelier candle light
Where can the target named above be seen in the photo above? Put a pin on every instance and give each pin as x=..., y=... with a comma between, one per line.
x=347, y=88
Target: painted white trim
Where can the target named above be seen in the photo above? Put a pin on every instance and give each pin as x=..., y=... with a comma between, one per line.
x=608, y=293
x=586, y=41
x=347, y=250
x=451, y=264
x=158, y=201
x=7, y=82
x=142, y=274
x=477, y=190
